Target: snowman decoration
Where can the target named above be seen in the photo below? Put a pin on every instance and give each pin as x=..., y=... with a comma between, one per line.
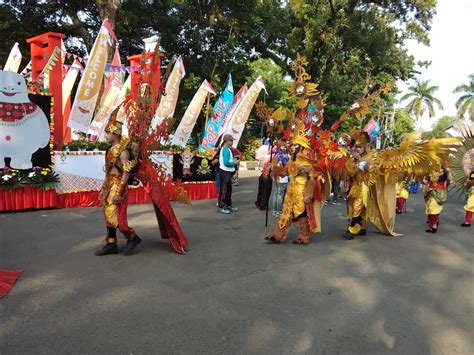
x=24, y=127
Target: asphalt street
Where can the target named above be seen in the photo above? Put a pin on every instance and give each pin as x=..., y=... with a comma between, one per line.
x=233, y=293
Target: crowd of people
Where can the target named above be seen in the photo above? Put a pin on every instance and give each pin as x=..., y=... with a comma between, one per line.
x=307, y=169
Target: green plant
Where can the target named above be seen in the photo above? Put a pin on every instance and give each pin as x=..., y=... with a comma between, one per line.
x=43, y=178
x=102, y=145
x=76, y=145
x=249, y=146
x=80, y=144
x=11, y=179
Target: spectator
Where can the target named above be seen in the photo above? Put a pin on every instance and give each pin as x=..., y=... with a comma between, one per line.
x=281, y=181
x=227, y=166
x=215, y=164
x=264, y=181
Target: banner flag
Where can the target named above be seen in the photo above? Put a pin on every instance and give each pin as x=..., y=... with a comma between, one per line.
x=239, y=118
x=27, y=70
x=188, y=121
x=112, y=89
x=220, y=110
x=122, y=114
x=14, y=59
x=228, y=117
x=168, y=101
x=89, y=86
x=370, y=126
x=113, y=78
x=69, y=80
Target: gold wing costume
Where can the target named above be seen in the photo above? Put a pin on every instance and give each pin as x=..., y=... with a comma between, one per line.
x=377, y=184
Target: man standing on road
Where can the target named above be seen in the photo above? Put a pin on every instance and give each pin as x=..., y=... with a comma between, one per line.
x=227, y=166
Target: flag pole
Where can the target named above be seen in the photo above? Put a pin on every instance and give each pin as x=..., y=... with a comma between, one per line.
x=271, y=123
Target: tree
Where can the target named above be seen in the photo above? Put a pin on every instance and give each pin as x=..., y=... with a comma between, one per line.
x=403, y=124
x=353, y=46
x=439, y=129
x=276, y=86
x=422, y=99
x=465, y=102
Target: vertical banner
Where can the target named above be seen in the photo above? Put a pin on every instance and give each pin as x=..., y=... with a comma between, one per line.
x=188, y=121
x=113, y=78
x=220, y=110
x=168, y=102
x=52, y=61
x=228, y=117
x=14, y=59
x=89, y=86
x=239, y=118
x=112, y=89
x=27, y=69
x=122, y=114
x=69, y=80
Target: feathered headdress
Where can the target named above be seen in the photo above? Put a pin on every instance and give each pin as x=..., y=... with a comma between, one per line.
x=114, y=126
x=462, y=161
x=299, y=135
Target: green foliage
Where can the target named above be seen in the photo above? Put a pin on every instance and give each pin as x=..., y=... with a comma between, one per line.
x=403, y=124
x=439, y=129
x=465, y=102
x=42, y=178
x=11, y=179
x=84, y=144
x=352, y=46
x=248, y=144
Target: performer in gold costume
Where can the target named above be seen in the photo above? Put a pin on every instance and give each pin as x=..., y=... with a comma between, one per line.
x=374, y=175
x=113, y=194
x=358, y=194
x=469, y=207
x=299, y=205
x=402, y=196
x=435, y=198
x=462, y=169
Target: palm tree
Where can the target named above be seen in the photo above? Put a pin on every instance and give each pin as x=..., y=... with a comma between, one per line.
x=466, y=102
x=422, y=97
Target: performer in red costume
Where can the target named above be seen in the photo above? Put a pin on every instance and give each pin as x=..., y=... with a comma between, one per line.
x=113, y=194
x=143, y=140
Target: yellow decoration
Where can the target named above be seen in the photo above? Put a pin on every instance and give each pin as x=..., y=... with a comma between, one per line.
x=299, y=135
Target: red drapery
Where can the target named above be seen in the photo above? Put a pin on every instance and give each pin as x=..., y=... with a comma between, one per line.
x=30, y=197
x=27, y=197
x=7, y=279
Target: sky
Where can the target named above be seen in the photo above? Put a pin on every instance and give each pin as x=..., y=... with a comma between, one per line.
x=451, y=51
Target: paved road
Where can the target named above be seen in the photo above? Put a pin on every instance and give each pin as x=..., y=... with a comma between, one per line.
x=232, y=293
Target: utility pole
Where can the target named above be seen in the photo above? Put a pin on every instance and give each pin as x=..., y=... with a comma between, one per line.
x=388, y=125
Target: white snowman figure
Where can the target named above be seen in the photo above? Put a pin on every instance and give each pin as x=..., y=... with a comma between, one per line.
x=24, y=127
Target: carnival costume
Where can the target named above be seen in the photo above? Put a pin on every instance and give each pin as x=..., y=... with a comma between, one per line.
x=435, y=197
x=142, y=142
x=298, y=206
x=113, y=194
x=375, y=177
x=462, y=167
x=402, y=196
x=469, y=207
